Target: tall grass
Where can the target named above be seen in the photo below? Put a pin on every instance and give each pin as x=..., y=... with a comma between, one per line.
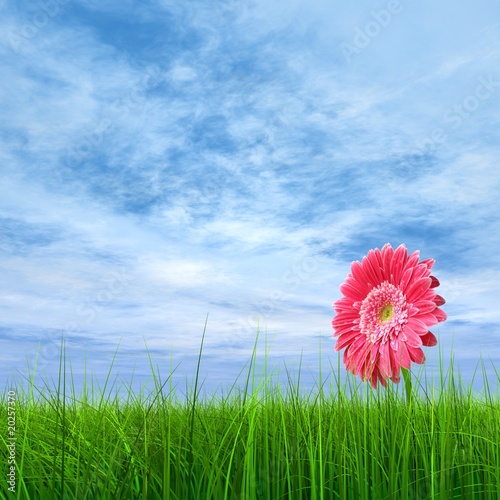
x=258, y=441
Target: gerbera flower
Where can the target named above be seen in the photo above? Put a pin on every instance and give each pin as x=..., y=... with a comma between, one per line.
x=382, y=321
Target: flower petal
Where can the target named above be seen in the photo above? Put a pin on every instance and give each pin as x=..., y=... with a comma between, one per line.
x=416, y=354
x=417, y=289
x=395, y=358
x=343, y=304
x=395, y=343
x=359, y=273
x=425, y=306
x=371, y=267
x=420, y=271
x=400, y=255
x=406, y=279
x=387, y=254
x=412, y=260
x=384, y=363
x=429, y=339
x=440, y=314
x=412, y=337
x=352, y=292
x=346, y=317
x=428, y=319
x=402, y=357
x=417, y=325
x=439, y=300
x=435, y=282
x=346, y=339
x=428, y=262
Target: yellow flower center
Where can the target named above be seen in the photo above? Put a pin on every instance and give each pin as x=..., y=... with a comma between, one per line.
x=386, y=313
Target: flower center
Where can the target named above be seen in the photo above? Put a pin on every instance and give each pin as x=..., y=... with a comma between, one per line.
x=383, y=313
x=386, y=313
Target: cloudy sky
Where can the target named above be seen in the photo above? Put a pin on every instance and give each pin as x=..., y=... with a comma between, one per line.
x=163, y=160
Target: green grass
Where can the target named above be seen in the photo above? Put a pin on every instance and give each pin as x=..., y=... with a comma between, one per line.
x=259, y=441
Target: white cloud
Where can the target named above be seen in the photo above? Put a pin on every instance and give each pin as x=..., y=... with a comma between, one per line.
x=180, y=273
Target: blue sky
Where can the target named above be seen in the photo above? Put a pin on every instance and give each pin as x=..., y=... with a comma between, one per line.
x=164, y=160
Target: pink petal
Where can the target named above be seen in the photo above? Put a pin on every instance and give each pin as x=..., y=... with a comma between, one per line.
x=346, y=317
x=384, y=362
x=428, y=262
x=398, y=260
x=425, y=306
x=402, y=357
x=417, y=289
x=359, y=273
x=435, y=282
x=420, y=271
x=412, y=260
x=351, y=292
x=406, y=279
x=428, y=319
x=380, y=264
x=387, y=254
x=412, y=311
x=366, y=357
x=395, y=363
x=412, y=338
x=357, y=348
x=364, y=288
x=370, y=265
x=439, y=300
x=365, y=370
x=342, y=329
x=375, y=260
x=430, y=294
x=342, y=332
x=342, y=304
x=440, y=315
x=416, y=354
x=346, y=339
x=417, y=325
x=429, y=339
x=395, y=343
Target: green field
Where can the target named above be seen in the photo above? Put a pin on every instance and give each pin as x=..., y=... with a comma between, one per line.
x=261, y=440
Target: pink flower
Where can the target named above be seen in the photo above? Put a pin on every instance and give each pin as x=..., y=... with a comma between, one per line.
x=389, y=304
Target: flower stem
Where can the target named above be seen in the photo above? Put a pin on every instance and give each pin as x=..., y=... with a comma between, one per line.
x=406, y=376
